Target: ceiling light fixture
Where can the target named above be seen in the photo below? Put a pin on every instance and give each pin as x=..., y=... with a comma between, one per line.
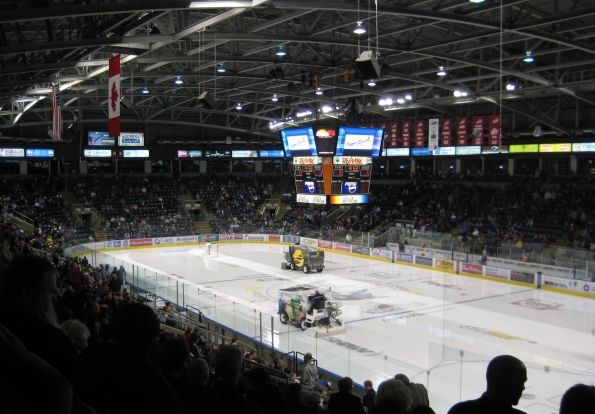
x=281, y=51
x=145, y=90
x=441, y=71
x=400, y=100
x=275, y=98
x=359, y=29
x=460, y=93
x=408, y=97
x=529, y=58
x=372, y=83
x=326, y=109
x=179, y=81
x=239, y=106
x=221, y=68
x=476, y=1
x=510, y=86
x=319, y=92
x=385, y=101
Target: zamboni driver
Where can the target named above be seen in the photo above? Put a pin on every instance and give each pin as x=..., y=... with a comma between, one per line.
x=316, y=301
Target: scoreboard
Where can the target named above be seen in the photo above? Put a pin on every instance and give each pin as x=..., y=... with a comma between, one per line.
x=351, y=180
x=320, y=177
x=309, y=179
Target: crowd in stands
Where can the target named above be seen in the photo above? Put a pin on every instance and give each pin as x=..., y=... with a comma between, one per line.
x=238, y=202
x=134, y=207
x=524, y=214
x=40, y=201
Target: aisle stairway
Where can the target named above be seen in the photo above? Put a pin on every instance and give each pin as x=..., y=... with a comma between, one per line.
x=203, y=225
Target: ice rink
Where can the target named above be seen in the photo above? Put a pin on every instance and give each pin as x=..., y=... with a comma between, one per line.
x=439, y=329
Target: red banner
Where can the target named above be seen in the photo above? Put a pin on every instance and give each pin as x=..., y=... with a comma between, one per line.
x=478, y=127
x=420, y=133
x=495, y=129
x=391, y=138
x=406, y=127
x=114, y=95
x=462, y=131
x=446, y=135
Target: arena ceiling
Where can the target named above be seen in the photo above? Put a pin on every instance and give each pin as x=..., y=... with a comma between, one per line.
x=481, y=46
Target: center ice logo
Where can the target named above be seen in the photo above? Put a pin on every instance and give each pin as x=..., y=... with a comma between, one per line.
x=350, y=187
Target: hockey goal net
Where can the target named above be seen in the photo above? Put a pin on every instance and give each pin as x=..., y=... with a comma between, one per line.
x=212, y=249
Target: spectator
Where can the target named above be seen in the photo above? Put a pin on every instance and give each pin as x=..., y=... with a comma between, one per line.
x=28, y=383
x=344, y=402
x=120, y=376
x=309, y=373
x=77, y=332
x=419, y=393
x=392, y=397
x=369, y=397
x=227, y=396
x=506, y=376
x=578, y=399
x=27, y=293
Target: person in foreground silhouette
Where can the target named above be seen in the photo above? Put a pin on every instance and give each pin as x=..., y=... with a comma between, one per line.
x=578, y=399
x=506, y=377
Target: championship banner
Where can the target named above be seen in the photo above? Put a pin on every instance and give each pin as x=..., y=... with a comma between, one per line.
x=478, y=130
x=406, y=128
x=391, y=140
x=433, y=133
x=420, y=133
x=56, y=113
x=114, y=96
x=462, y=131
x=495, y=129
x=446, y=132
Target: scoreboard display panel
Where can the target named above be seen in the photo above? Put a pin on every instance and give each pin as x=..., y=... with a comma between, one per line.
x=351, y=177
x=308, y=175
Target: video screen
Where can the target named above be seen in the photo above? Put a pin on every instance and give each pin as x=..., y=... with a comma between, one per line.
x=131, y=139
x=299, y=142
x=100, y=138
x=326, y=141
x=359, y=141
x=271, y=153
x=40, y=153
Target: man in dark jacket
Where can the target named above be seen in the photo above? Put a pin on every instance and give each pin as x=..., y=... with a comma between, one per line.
x=506, y=376
x=369, y=396
x=344, y=402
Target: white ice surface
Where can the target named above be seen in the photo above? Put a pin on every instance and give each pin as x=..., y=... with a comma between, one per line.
x=439, y=329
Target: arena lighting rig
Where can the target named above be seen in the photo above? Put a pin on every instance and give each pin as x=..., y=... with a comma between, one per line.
x=332, y=166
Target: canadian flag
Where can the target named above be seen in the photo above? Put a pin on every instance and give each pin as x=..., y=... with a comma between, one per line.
x=114, y=96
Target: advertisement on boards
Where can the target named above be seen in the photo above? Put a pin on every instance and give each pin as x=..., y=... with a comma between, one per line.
x=405, y=257
x=255, y=237
x=344, y=247
x=141, y=242
x=471, y=268
x=360, y=250
x=325, y=244
x=231, y=236
x=497, y=272
x=522, y=277
x=425, y=261
x=444, y=264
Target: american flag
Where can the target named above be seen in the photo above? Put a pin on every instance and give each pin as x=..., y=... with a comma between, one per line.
x=56, y=113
